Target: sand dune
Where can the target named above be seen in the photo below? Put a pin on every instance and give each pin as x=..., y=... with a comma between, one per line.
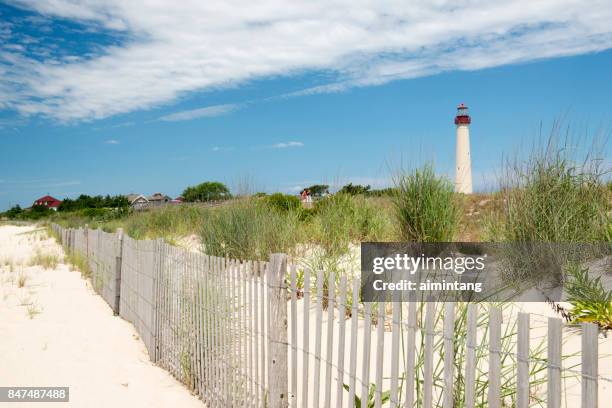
x=55, y=331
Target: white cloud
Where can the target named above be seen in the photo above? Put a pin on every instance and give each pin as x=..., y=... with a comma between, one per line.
x=172, y=49
x=221, y=148
x=207, y=112
x=112, y=142
x=285, y=145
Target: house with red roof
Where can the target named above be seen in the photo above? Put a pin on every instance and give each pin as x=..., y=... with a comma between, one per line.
x=49, y=202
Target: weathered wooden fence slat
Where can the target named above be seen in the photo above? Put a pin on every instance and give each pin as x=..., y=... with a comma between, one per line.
x=318, y=330
x=470, y=355
x=522, y=357
x=395, y=351
x=590, y=354
x=428, y=352
x=341, y=341
x=367, y=339
x=380, y=349
x=449, y=355
x=494, y=392
x=354, y=343
x=306, y=337
x=410, y=355
x=553, y=390
x=331, y=299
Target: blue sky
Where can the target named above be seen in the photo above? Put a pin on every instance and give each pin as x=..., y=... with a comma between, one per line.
x=110, y=97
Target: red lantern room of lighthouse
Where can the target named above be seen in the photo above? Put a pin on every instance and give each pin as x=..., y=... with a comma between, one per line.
x=463, y=117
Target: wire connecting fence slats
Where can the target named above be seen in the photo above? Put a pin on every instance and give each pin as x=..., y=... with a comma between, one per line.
x=264, y=334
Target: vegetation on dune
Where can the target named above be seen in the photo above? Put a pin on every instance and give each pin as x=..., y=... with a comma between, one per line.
x=163, y=222
x=85, y=202
x=354, y=189
x=207, y=191
x=554, y=197
x=283, y=202
x=79, y=263
x=342, y=219
x=426, y=207
x=249, y=229
x=590, y=301
x=47, y=261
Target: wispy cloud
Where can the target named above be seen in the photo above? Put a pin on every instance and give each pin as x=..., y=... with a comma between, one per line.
x=112, y=142
x=221, y=148
x=207, y=112
x=285, y=145
x=209, y=45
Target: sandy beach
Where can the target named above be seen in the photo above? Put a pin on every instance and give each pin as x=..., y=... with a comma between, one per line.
x=55, y=331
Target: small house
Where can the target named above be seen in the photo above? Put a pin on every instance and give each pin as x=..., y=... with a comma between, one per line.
x=159, y=198
x=48, y=201
x=137, y=201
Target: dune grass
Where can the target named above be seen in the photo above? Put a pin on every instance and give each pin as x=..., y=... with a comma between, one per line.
x=79, y=263
x=249, y=229
x=342, y=219
x=47, y=261
x=21, y=280
x=554, y=197
x=426, y=207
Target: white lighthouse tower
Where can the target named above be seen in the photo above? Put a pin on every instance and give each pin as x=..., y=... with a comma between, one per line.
x=463, y=165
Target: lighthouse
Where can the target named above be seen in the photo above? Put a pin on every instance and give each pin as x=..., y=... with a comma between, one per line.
x=463, y=161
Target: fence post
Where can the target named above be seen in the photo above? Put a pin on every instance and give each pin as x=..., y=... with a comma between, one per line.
x=277, y=326
x=118, y=261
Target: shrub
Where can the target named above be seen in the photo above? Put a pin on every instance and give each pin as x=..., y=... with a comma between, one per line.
x=354, y=189
x=207, y=191
x=426, y=208
x=283, y=202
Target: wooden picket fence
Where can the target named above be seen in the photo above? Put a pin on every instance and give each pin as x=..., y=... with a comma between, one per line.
x=264, y=334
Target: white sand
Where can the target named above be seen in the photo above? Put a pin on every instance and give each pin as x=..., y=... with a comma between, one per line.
x=72, y=338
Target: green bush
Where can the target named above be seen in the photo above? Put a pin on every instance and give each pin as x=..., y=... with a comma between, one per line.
x=354, y=189
x=283, y=202
x=426, y=208
x=207, y=191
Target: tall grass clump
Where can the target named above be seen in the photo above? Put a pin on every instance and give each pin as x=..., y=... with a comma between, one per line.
x=426, y=207
x=164, y=222
x=343, y=219
x=47, y=261
x=79, y=263
x=552, y=198
x=249, y=229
